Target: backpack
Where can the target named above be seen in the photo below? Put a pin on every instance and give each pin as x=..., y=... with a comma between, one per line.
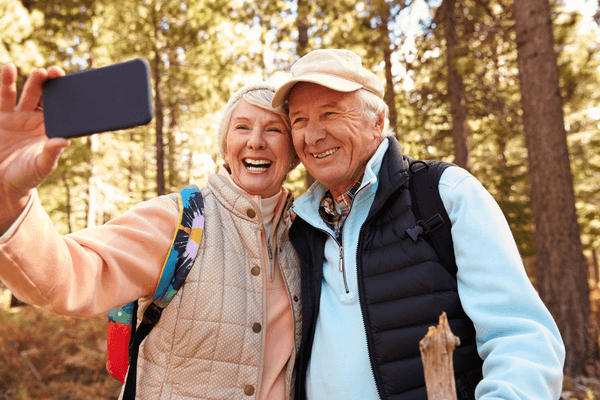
x=124, y=336
x=433, y=220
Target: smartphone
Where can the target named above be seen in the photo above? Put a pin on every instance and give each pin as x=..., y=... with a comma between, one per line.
x=98, y=100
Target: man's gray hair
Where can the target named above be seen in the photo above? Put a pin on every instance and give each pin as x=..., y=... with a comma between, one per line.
x=373, y=106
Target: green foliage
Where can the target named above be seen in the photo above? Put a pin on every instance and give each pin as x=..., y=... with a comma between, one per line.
x=579, y=68
x=207, y=49
x=17, y=26
x=487, y=64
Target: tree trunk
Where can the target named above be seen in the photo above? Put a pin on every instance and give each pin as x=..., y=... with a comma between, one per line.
x=173, y=171
x=389, y=98
x=158, y=109
x=301, y=50
x=92, y=195
x=302, y=25
x=560, y=264
x=595, y=274
x=456, y=89
x=130, y=169
x=68, y=207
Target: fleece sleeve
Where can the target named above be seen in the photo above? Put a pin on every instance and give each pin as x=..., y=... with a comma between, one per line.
x=93, y=270
x=517, y=337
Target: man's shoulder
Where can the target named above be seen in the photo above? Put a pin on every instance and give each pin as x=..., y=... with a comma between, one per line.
x=453, y=175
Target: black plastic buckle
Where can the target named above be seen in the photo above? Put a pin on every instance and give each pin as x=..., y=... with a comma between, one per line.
x=416, y=231
x=424, y=228
x=152, y=314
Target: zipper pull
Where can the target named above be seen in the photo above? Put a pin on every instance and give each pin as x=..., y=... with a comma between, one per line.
x=341, y=258
x=270, y=259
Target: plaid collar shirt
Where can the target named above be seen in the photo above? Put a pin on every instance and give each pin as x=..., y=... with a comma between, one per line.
x=334, y=211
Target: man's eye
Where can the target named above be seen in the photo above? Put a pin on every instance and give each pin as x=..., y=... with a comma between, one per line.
x=298, y=120
x=328, y=113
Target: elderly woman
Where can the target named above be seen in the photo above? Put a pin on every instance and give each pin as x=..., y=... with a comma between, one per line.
x=232, y=330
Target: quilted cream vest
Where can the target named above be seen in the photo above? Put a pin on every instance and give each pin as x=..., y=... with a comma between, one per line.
x=209, y=342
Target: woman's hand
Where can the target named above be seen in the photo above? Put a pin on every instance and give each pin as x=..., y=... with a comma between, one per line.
x=27, y=156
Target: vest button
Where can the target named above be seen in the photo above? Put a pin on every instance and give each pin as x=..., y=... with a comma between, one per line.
x=296, y=299
x=255, y=271
x=250, y=213
x=256, y=328
x=249, y=390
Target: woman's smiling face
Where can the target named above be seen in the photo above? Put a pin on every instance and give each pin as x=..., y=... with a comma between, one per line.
x=259, y=150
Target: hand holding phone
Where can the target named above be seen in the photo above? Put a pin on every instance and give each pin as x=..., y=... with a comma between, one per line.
x=98, y=100
x=27, y=156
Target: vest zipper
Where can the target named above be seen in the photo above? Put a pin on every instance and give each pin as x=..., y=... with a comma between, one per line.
x=342, y=269
x=360, y=290
x=363, y=308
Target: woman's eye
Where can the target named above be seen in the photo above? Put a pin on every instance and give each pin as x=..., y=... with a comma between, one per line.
x=242, y=127
x=278, y=130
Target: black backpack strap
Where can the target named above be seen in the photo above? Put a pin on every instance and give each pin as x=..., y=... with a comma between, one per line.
x=433, y=220
x=151, y=317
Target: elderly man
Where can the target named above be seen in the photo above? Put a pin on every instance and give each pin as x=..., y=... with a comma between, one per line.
x=370, y=291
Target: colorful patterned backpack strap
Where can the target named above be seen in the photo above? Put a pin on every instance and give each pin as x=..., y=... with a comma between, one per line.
x=123, y=339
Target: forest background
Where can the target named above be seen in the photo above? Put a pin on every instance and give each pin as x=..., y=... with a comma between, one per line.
x=454, y=76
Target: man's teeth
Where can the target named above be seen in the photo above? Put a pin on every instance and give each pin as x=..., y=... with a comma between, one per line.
x=326, y=153
x=257, y=165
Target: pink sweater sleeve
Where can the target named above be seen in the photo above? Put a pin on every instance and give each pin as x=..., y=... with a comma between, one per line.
x=91, y=271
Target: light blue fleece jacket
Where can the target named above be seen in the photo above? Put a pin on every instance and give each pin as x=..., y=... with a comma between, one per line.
x=517, y=337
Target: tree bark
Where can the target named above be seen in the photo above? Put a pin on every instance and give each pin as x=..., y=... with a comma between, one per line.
x=436, y=352
x=302, y=25
x=560, y=264
x=456, y=89
x=595, y=274
x=301, y=50
x=173, y=175
x=389, y=98
x=92, y=195
x=158, y=108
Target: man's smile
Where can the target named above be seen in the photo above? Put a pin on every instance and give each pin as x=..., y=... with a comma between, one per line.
x=325, y=153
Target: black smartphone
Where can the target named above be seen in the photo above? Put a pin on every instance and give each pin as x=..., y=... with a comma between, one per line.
x=98, y=100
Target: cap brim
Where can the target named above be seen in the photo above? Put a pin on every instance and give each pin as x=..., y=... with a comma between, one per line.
x=329, y=81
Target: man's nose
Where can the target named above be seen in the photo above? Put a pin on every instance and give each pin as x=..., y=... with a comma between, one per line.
x=314, y=132
x=257, y=138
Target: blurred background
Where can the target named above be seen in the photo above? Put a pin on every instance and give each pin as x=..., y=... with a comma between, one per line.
x=451, y=73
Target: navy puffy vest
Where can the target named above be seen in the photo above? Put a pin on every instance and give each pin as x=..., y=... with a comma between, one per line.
x=403, y=290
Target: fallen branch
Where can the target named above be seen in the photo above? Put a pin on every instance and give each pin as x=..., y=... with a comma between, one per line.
x=436, y=352
x=35, y=373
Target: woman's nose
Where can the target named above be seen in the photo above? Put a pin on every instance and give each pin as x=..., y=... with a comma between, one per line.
x=257, y=138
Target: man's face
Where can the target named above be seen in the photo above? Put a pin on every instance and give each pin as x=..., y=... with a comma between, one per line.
x=333, y=137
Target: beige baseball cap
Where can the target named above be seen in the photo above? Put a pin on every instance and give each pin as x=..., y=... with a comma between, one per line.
x=335, y=69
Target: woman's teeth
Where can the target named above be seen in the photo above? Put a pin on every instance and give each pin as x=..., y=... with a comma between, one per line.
x=257, y=165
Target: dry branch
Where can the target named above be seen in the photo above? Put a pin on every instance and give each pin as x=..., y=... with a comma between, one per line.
x=436, y=352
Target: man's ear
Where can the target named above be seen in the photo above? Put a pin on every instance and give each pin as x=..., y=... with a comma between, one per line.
x=379, y=122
